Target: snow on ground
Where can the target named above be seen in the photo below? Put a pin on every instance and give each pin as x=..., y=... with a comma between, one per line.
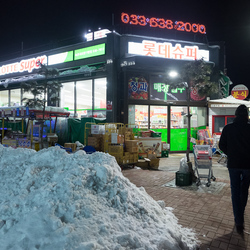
x=53, y=200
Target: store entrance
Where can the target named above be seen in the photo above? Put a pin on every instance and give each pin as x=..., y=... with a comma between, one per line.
x=170, y=121
x=178, y=130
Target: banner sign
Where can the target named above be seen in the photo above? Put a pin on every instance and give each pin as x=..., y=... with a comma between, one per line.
x=92, y=51
x=167, y=50
x=162, y=92
x=138, y=88
x=60, y=58
x=24, y=65
x=33, y=63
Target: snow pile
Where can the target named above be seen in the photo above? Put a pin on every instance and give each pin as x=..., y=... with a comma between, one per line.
x=54, y=200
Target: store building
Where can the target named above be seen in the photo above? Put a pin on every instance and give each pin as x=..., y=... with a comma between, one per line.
x=120, y=78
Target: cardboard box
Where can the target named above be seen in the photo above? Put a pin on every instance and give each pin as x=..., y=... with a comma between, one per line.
x=93, y=140
x=135, y=157
x=70, y=145
x=132, y=149
x=120, y=139
x=132, y=146
x=9, y=143
x=130, y=130
x=115, y=149
x=154, y=163
x=127, y=136
x=52, y=137
x=142, y=164
x=126, y=153
x=96, y=142
x=97, y=129
x=23, y=143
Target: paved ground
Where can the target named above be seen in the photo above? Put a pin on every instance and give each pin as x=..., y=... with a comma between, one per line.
x=207, y=210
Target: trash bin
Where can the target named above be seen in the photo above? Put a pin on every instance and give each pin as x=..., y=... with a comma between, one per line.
x=183, y=179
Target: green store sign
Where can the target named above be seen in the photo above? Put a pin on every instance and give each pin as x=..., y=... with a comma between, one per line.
x=92, y=51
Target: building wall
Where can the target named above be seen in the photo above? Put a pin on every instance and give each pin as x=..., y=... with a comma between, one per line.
x=218, y=111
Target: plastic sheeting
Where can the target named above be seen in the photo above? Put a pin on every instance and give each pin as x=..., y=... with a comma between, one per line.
x=76, y=128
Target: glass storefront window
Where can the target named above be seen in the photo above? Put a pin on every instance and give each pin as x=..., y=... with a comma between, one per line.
x=15, y=97
x=219, y=122
x=138, y=116
x=158, y=117
x=100, y=93
x=4, y=98
x=178, y=117
x=84, y=98
x=29, y=95
x=199, y=116
x=67, y=97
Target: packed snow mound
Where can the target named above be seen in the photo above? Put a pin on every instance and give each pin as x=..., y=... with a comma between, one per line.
x=53, y=200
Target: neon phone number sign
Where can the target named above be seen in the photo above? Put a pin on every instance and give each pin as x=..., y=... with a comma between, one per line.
x=162, y=23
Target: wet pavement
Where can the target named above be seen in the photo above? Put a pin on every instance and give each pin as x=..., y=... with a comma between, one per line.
x=208, y=210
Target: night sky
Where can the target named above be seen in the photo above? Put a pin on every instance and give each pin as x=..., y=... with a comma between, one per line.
x=33, y=24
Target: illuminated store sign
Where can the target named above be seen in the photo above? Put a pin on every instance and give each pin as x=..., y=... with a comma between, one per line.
x=60, y=58
x=91, y=51
x=138, y=88
x=24, y=65
x=240, y=92
x=162, y=23
x=167, y=50
x=97, y=34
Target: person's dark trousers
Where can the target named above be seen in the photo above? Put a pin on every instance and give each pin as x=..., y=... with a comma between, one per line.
x=240, y=179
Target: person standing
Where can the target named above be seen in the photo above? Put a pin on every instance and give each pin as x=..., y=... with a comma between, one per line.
x=235, y=143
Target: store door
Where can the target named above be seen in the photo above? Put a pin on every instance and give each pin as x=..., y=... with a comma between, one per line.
x=178, y=130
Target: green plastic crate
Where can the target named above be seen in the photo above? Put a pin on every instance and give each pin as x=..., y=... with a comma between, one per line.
x=183, y=179
x=156, y=134
x=164, y=153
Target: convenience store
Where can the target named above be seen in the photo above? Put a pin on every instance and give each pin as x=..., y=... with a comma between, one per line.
x=119, y=78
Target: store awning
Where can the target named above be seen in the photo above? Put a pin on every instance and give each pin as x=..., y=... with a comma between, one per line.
x=229, y=101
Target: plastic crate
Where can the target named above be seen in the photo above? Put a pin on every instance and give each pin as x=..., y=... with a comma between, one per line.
x=164, y=153
x=183, y=179
x=156, y=134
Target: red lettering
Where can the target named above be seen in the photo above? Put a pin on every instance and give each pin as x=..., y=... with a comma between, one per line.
x=32, y=65
x=42, y=59
x=22, y=66
x=37, y=62
x=26, y=64
x=16, y=67
x=3, y=70
x=7, y=68
x=11, y=68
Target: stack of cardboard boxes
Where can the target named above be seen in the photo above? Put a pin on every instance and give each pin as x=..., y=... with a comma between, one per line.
x=118, y=142
x=71, y=146
x=96, y=141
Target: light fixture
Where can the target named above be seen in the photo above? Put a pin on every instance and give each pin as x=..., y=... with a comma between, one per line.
x=173, y=74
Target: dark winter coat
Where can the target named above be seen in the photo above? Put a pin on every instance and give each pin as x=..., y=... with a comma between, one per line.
x=235, y=143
